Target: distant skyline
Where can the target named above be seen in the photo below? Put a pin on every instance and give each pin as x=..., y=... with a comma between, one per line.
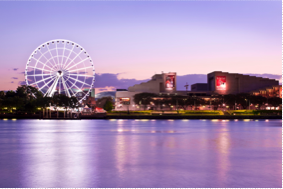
x=131, y=41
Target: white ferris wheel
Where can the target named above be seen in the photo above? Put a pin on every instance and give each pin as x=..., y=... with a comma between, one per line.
x=61, y=67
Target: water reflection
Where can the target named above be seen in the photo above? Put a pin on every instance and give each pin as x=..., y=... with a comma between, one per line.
x=140, y=153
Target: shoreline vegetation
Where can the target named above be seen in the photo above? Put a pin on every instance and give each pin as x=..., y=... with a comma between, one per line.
x=150, y=114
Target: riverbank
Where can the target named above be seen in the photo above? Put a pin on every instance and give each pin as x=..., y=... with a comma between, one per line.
x=104, y=116
x=193, y=117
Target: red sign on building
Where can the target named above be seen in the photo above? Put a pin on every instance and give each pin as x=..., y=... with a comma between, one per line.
x=220, y=82
x=170, y=82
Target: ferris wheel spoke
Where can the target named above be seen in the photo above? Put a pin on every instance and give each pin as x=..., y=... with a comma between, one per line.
x=42, y=80
x=73, y=59
x=38, y=74
x=80, y=69
x=80, y=81
x=40, y=69
x=69, y=88
x=42, y=63
x=59, y=85
x=68, y=56
x=46, y=58
x=52, y=89
x=63, y=55
x=76, y=64
x=81, y=75
x=46, y=83
x=52, y=57
x=65, y=87
x=73, y=84
x=58, y=63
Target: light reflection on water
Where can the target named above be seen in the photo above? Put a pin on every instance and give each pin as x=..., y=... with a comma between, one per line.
x=140, y=153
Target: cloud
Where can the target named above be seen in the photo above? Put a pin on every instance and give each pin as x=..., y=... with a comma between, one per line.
x=15, y=69
x=99, y=90
x=21, y=83
x=111, y=80
x=15, y=78
x=12, y=82
x=266, y=75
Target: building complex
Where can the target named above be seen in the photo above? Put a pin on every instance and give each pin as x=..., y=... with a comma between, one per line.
x=218, y=83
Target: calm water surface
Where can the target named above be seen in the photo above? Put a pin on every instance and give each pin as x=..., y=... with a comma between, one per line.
x=140, y=153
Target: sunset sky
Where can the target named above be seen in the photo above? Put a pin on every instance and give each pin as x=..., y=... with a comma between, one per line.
x=131, y=41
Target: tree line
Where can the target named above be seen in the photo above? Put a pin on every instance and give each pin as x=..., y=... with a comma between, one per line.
x=29, y=99
x=215, y=101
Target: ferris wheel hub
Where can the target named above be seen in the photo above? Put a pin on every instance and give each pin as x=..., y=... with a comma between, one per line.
x=60, y=73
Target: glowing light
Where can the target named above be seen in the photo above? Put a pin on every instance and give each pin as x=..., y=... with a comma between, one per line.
x=256, y=120
x=120, y=130
x=170, y=120
x=266, y=120
x=14, y=119
x=153, y=120
x=185, y=120
x=246, y=119
x=5, y=119
x=214, y=120
x=144, y=120
x=235, y=120
x=112, y=119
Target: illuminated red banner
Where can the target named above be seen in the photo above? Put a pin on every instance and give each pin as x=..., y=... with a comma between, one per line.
x=170, y=82
x=220, y=82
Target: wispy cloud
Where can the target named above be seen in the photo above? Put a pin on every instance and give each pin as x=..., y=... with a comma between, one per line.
x=15, y=69
x=21, y=83
x=15, y=78
x=12, y=82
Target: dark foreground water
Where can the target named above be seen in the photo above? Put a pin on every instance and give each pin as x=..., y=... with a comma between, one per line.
x=140, y=153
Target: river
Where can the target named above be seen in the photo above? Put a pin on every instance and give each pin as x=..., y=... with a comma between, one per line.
x=141, y=153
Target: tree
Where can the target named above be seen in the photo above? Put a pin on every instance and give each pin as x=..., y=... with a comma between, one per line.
x=2, y=94
x=275, y=101
x=144, y=98
x=73, y=102
x=185, y=102
x=13, y=102
x=10, y=94
x=108, y=106
x=230, y=100
x=101, y=102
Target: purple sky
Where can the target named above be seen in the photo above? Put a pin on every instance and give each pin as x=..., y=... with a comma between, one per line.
x=131, y=41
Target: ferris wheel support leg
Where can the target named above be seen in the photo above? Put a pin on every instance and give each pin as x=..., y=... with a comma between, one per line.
x=53, y=88
x=66, y=89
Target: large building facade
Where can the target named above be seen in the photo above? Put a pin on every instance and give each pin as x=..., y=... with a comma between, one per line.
x=230, y=83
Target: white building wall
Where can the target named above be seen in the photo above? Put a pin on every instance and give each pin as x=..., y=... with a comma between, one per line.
x=125, y=94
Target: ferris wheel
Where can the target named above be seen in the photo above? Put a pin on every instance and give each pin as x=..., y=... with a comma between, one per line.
x=61, y=67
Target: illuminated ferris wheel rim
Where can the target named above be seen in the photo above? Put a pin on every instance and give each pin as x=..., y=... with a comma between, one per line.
x=62, y=71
